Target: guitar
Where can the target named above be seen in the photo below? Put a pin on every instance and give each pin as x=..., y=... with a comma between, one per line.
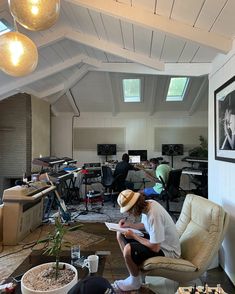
x=148, y=174
x=60, y=202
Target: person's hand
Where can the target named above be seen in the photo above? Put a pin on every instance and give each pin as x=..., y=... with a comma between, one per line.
x=129, y=234
x=122, y=223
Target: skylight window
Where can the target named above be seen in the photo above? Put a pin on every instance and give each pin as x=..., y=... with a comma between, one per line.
x=131, y=90
x=177, y=89
x=4, y=27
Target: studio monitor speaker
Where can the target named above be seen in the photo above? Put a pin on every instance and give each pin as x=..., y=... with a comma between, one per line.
x=106, y=149
x=172, y=149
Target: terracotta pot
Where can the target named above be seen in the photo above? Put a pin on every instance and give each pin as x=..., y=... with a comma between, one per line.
x=62, y=290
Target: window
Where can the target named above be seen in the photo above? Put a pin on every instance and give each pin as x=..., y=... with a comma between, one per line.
x=131, y=90
x=4, y=27
x=177, y=88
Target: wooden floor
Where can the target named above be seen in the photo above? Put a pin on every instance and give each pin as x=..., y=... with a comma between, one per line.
x=115, y=267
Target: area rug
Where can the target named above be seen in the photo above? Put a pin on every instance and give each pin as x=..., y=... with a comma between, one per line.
x=12, y=256
x=108, y=213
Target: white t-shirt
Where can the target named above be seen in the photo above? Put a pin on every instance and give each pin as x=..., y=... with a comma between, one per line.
x=161, y=229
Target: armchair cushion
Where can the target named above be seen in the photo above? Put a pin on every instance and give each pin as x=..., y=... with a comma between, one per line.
x=159, y=262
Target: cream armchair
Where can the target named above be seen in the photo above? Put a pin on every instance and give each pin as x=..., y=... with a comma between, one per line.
x=201, y=225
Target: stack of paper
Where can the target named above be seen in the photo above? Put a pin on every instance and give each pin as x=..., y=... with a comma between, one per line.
x=116, y=227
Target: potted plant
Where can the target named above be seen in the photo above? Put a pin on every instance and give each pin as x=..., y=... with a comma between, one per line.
x=55, y=277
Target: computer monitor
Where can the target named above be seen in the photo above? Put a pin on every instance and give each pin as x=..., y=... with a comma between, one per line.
x=142, y=153
x=134, y=159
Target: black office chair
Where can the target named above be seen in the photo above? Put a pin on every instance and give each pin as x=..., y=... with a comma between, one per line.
x=171, y=189
x=112, y=184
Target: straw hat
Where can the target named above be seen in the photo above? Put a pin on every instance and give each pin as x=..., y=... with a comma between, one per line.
x=127, y=199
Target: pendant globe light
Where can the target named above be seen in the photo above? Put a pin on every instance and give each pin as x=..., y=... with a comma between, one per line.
x=35, y=15
x=18, y=54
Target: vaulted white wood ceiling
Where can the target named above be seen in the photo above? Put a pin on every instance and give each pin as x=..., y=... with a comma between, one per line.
x=97, y=42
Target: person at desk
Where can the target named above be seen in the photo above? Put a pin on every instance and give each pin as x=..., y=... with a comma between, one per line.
x=121, y=172
x=161, y=170
x=161, y=238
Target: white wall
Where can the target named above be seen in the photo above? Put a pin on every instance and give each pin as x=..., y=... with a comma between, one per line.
x=139, y=131
x=221, y=174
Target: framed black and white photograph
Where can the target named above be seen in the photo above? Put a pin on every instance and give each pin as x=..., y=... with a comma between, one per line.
x=225, y=121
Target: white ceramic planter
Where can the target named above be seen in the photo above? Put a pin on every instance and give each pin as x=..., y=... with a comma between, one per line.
x=62, y=290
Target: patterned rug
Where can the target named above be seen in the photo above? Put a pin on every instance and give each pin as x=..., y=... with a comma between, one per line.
x=107, y=213
x=12, y=256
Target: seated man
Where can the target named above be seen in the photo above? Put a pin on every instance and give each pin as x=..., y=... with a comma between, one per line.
x=161, y=239
x=121, y=172
x=161, y=170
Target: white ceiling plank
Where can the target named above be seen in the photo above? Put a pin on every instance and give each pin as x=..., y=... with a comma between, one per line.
x=157, y=44
x=140, y=46
x=60, y=49
x=96, y=18
x=148, y=5
x=113, y=49
x=186, y=11
x=198, y=97
x=209, y=13
x=50, y=55
x=204, y=55
x=84, y=21
x=71, y=18
x=49, y=38
x=163, y=7
x=100, y=55
x=73, y=48
x=188, y=52
x=225, y=22
x=42, y=74
x=157, y=22
x=127, y=32
x=172, y=49
x=113, y=29
x=178, y=69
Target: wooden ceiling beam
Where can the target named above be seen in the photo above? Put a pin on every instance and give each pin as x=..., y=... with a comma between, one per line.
x=156, y=22
x=171, y=69
x=111, y=48
x=42, y=74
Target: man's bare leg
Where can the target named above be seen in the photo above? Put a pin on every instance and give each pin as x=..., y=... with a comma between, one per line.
x=133, y=282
